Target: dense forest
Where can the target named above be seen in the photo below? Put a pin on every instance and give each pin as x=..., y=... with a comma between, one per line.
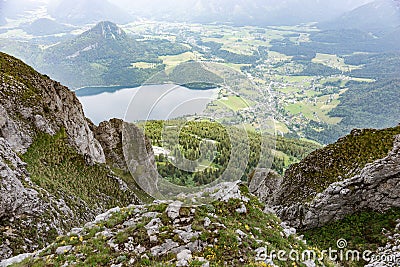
x=214, y=49
x=208, y=149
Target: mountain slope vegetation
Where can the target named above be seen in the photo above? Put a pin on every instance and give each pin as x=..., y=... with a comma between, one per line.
x=103, y=55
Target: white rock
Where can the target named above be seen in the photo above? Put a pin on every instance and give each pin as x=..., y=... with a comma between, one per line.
x=105, y=216
x=63, y=250
x=183, y=257
x=153, y=226
x=153, y=239
x=242, y=209
x=309, y=263
x=164, y=248
x=207, y=222
x=173, y=209
x=13, y=260
x=241, y=233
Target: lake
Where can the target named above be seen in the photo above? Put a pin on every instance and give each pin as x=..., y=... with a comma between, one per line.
x=149, y=102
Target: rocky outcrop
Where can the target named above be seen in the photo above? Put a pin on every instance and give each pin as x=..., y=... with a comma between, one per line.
x=376, y=187
x=109, y=134
x=31, y=102
x=140, y=160
x=15, y=199
x=389, y=255
x=265, y=183
x=222, y=233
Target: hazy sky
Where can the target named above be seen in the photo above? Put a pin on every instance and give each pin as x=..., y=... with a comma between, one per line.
x=347, y=4
x=188, y=8
x=126, y=3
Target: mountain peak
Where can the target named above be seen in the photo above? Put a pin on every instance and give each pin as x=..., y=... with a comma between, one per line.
x=109, y=30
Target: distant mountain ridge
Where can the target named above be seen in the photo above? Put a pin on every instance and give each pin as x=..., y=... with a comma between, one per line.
x=87, y=11
x=378, y=16
x=103, y=55
x=242, y=12
x=45, y=26
x=108, y=30
x=238, y=12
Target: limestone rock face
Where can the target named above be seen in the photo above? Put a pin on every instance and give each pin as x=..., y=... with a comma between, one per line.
x=15, y=199
x=264, y=184
x=32, y=103
x=139, y=156
x=109, y=134
x=376, y=187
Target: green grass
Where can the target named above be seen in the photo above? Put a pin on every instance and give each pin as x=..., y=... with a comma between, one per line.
x=290, y=90
x=318, y=110
x=20, y=72
x=294, y=79
x=346, y=158
x=236, y=67
x=56, y=166
x=173, y=61
x=235, y=103
x=362, y=231
x=333, y=61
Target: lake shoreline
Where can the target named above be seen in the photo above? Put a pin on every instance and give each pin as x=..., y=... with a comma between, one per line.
x=96, y=90
x=154, y=102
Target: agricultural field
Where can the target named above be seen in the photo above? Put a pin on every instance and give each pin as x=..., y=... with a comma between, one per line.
x=144, y=65
x=235, y=103
x=334, y=61
x=173, y=61
x=295, y=93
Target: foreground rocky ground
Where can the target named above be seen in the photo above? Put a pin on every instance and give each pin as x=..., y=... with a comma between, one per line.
x=231, y=230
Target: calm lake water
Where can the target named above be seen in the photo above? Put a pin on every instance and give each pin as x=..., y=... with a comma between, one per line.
x=150, y=102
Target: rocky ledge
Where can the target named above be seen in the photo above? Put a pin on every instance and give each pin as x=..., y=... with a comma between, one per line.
x=388, y=255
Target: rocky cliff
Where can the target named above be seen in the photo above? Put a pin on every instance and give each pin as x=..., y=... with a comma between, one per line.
x=53, y=174
x=109, y=134
x=359, y=172
x=32, y=103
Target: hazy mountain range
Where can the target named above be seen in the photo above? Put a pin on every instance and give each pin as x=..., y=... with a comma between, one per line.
x=374, y=16
x=45, y=26
x=366, y=15
x=87, y=11
x=239, y=12
x=253, y=12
